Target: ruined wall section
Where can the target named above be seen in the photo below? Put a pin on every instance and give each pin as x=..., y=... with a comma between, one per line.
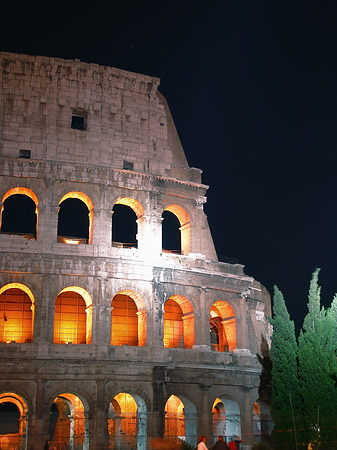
x=127, y=121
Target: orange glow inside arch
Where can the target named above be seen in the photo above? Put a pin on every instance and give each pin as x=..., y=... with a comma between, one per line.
x=73, y=316
x=17, y=311
x=128, y=319
x=179, y=328
x=223, y=323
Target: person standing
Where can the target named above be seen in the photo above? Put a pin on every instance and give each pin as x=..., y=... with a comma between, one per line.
x=46, y=445
x=201, y=443
x=220, y=444
x=234, y=444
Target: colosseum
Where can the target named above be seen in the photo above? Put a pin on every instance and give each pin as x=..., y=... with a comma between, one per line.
x=118, y=324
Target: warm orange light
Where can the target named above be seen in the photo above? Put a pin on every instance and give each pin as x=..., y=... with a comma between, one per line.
x=73, y=316
x=223, y=318
x=133, y=204
x=22, y=191
x=174, y=418
x=15, y=440
x=70, y=421
x=128, y=319
x=256, y=409
x=124, y=321
x=185, y=226
x=123, y=421
x=173, y=325
x=216, y=401
x=218, y=417
x=73, y=241
x=178, y=322
x=16, y=313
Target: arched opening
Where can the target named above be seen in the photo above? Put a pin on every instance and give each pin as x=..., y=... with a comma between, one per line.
x=128, y=319
x=17, y=310
x=178, y=323
x=19, y=213
x=176, y=230
x=126, y=216
x=180, y=420
x=222, y=327
x=256, y=422
x=262, y=422
x=68, y=425
x=127, y=423
x=13, y=421
x=171, y=233
x=75, y=219
x=73, y=317
x=226, y=419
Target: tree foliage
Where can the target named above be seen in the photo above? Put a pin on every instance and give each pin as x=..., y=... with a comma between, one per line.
x=285, y=387
x=317, y=368
x=305, y=372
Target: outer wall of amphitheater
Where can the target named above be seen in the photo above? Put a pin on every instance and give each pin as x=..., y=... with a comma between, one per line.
x=108, y=343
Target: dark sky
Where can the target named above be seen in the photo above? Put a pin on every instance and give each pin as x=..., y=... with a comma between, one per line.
x=252, y=88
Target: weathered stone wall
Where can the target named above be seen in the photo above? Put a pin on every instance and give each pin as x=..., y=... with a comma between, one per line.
x=127, y=120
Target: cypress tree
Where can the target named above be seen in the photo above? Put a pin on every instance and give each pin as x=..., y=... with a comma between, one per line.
x=317, y=370
x=285, y=403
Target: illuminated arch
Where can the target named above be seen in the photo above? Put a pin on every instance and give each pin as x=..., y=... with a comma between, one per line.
x=226, y=418
x=127, y=222
x=67, y=331
x=185, y=227
x=17, y=314
x=68, y=422
x=222, y=327
x=127, y=422
x=19, y=190
x=16, y=439
x=128, y=319
x=23, y=191
x=262, y=422
x=89, y=204
x=133, y=204
x=179, y=330
x=180, y=420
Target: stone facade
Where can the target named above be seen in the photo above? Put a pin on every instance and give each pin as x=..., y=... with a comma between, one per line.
x=104, y=136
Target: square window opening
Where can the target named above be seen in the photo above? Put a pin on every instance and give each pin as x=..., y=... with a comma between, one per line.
x=79, y=121
x=25, y=154
x=127, y=165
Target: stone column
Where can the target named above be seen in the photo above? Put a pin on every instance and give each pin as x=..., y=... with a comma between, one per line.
x=155, y=321
x=38, y=425
x=202, y=325
x=101, y=327
x=101, y=227
x=99, y=438
x=190, y=428
x=141, y=435
x=149, y=236
x=44, y=318
x=205, y=415
x=142, y=328
x=47, y=216
x=246, y=408
x=185, y=233
x=189, y=330
x=230, y=327
x=241, y=323
x=156, y=417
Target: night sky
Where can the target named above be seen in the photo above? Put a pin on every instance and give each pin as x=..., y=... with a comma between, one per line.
x=252, y=89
